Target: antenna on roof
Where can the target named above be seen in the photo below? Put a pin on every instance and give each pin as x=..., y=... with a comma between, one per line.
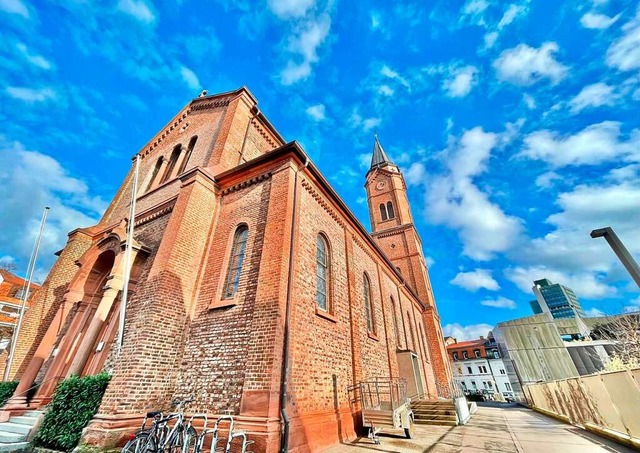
x=203, y=93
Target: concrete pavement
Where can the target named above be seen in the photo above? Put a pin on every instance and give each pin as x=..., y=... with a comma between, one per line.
x=494, y=428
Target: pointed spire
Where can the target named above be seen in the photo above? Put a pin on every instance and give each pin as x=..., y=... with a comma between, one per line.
x=379, y=157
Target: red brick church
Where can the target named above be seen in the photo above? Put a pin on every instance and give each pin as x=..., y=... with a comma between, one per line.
x=254, y=289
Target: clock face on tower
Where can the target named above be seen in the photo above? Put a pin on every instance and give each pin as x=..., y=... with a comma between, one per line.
x=381, y=185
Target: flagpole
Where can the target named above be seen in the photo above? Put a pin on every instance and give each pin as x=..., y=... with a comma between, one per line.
x=25, y=294
x=127, y=256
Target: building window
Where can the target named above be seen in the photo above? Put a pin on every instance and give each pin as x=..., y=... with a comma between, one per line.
x=507, y=386
x=473, y=384
x=469, y=370
x=482, y=369
x=465, y=355
x=390, y=213
x=455, y=356
x=322, y=273
x=20, y=293
x=477, y=353
x=502, y=372
x=383, y=212
x=172, y=163
x=154, y=173
x=395, y=319
x=185, y=160
x=368, y=309
x=235, y=262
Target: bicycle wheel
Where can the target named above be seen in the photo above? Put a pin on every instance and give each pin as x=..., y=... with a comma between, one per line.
x=142, y=443
x=183, y=442
x=190, y=441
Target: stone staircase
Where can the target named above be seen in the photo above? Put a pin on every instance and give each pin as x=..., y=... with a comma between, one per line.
x=15, y=432
x=434, y=412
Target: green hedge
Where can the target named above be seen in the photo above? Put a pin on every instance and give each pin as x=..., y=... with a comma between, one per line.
x=74, y=404
x=6, y=391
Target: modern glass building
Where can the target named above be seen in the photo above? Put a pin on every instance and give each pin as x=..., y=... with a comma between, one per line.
x=556, y=299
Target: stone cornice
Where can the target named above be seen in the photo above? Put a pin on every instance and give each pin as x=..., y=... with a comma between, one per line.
x=322, y=202
x=247, y=183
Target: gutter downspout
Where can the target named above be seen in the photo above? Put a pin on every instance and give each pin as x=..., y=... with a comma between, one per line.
x=284, y=438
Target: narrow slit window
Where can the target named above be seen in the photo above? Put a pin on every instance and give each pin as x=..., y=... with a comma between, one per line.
x=390, y=212
x=368, y=308
x=383, y=212
x=235, y=262
x=322, y=273
x=172, y=163
x=154, y=173
x=185, y=161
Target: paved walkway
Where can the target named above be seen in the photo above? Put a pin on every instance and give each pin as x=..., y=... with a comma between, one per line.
x=504, y=428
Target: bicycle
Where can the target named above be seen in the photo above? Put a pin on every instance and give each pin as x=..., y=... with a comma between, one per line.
x=160, y=437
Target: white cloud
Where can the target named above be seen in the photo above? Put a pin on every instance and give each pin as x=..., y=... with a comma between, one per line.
x=317, y=112
x=304, y=44
x=624, y=53
x=455, y=201
x=597, y=21
x=490, y=39
x=475, y=6
x=389, y=73
x=190, y=78
x=415, y=174
x=511, y=14
x=546, y=180
x=31, y=94
x=529, y=101
x=594, y=95
x=465, y=333
x=460, y=81
x=371, y=123
x=34, y=59
x=499, y=302
x=376, y=20
x=634, y=306
x=385, y=90
x=429, y=261
x=594, y=312
x=524, y=65
x=29, y=181
x=137, y=9
x=14, y=7
x=593, y=145
x=584, y=284
x=290, y=8
x=475, y=280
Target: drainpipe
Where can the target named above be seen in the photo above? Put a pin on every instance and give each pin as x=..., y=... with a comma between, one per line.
x=284, y=438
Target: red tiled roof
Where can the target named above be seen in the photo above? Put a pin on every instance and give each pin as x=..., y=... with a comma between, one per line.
x=466, y=344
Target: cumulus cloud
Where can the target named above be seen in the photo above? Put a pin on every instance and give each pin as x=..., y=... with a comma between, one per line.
x=490, y=39
x=468, y=332
x=584, y=284
x=452, y=199
x=475, y=280
x=511, y=14
x=357, y=121
x=415, y=174
x=624, y=53
x=290, y=8
x=499, y=302
x=137, y=9
x=317, y=112
x=594, y=312
x=304, y=44
x=593, y=145
x=460, y=81
x=524, y=65
x=34, y=59
x=190, y=78
x=475, y=6
x=31, y=94
x=597, y=21
x=29, y=181
x=632, y=307
x=14, y=7
x=546, y=179
x=594, y=95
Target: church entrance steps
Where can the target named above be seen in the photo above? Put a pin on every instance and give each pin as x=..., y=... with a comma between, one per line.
x=14, y=434
x=434, y=412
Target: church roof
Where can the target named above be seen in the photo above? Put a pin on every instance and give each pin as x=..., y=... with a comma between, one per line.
x=379, y=157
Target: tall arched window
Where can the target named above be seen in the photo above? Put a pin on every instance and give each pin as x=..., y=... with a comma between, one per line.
x=185, y=160
x=383, y=212
x=368, y=308
x=172, y=163
x=395, y=321
x=322, y=273
x=413, y=336
x=235, y=262
x=390, y=212
x=154, y=173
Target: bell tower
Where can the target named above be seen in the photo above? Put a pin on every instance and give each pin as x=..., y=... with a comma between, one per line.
x=393, y=229
x=392, y=223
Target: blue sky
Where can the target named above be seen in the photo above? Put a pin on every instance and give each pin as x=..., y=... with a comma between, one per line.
x=517, y=124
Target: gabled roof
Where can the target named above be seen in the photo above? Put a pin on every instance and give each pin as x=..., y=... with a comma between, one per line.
x=466, y=344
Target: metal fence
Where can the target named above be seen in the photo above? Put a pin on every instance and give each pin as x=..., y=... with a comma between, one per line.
x=607, y=403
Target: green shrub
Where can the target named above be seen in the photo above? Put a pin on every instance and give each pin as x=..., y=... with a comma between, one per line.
x=6, y=391
x=74, y=404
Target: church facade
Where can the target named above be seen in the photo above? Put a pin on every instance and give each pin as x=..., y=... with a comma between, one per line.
x=253, y=290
